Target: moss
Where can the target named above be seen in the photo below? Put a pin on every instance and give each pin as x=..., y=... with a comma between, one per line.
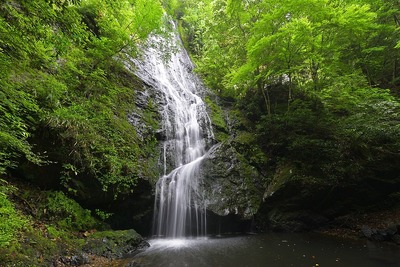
x=11, y=221
x=48, y=228
x=218, y=120
x=231, y=184
x=68, y=214
x=42, y=226
x=118, y=235
x=114, y=244
x=42, y=245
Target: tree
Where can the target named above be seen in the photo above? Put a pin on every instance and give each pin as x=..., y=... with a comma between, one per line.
x=62, y=94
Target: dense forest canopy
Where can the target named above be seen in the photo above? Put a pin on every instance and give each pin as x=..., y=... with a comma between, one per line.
x=309, y=43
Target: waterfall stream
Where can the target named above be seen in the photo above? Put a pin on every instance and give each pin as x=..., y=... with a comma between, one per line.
x=180, y=207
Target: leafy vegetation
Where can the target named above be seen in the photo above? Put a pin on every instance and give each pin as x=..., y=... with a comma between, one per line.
x=39, y=227
x=65, y=93
x=11, y=220
x=65, y=100
x=68, y=214
x=313, y=85
x=311, y=88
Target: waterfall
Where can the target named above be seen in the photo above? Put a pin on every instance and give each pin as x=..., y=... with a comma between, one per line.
x=180, y=207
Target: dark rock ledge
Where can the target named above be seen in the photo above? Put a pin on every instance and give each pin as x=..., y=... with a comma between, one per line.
x=106, y=247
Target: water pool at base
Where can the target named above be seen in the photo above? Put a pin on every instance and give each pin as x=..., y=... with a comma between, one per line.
x=271, y=250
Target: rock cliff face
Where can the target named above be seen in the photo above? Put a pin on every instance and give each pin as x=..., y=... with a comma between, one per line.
x=232, y=186
x=293, y=202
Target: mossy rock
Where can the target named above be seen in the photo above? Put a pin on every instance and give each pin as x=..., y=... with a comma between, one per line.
x=231, y=184
x=115, y=244
x=218, y=119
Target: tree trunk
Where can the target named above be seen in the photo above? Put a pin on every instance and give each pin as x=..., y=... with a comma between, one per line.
x=267, y=99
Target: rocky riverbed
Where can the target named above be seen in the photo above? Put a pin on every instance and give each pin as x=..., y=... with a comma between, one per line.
x=380, y=226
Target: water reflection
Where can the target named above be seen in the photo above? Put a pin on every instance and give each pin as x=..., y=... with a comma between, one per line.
x=272, y=250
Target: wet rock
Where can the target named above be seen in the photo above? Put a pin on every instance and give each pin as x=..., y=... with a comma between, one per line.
x=75, y=260
x=145, y=115
x=367, y=231
x=115, y=244
x=396, y=239
x=384, y=234
x=295, y=221
x=230, y=183
x=293, y=203
x=391, y=230
x=133, y=264
x=160, y=135
x=378, y=237
x=133, y=211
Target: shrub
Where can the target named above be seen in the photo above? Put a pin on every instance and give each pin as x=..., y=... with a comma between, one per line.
x=69, y=214
x=11, y=222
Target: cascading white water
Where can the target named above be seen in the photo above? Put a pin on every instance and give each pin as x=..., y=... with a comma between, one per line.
x=180, y=208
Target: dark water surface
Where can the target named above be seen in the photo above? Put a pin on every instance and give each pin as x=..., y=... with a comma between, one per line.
x=271, y=250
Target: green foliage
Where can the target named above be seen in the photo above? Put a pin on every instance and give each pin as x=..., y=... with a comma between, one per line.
x=103, y=215
x=304, y=44
x=246, y=143
x=65, y=93
x=54, y=232
x=14, y=130
x=351, y=135
x=48, y=233
x=371, y=125
x=69, y=214
x=11, y=221
x=218, y=119
x=308, y=79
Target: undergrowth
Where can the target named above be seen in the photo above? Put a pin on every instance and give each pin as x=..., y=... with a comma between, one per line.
x=38, y=228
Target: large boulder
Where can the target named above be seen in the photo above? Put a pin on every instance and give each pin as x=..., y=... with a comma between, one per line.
x=230, y=183
x=115, y=244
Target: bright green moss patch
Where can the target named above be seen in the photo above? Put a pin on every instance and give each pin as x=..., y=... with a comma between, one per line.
x=11, y=221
